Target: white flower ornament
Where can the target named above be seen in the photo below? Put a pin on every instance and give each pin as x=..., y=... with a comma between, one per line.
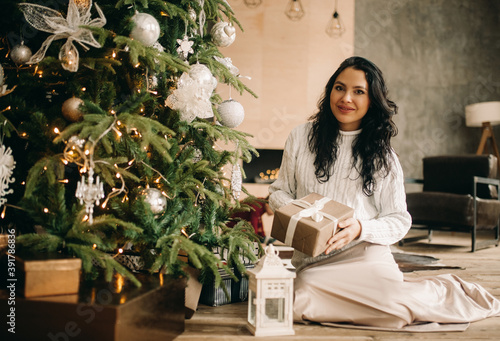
x=48, y=20
x=7, y=165
x=192, y=96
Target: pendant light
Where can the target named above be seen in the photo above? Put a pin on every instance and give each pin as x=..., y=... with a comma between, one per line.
x=335, y=27
x=294, y=10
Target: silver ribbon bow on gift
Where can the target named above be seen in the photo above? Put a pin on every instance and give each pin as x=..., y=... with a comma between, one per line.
x=310, y=210
x=48, y=20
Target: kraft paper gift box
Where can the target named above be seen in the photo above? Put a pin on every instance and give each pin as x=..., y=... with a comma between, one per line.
x=46, y=277
x=308, y=223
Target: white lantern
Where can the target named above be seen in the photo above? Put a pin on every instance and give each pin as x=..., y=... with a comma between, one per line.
x=270, y=297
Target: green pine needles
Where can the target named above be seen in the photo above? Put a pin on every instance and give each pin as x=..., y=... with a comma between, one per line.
x=107, y=124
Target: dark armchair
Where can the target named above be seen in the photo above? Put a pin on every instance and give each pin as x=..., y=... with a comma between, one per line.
x=460, y=193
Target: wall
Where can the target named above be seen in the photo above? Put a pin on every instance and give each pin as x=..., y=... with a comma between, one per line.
x=437, y=56
x=289, y=63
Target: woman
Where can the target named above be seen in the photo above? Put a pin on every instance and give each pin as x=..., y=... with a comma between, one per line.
x=345, y=154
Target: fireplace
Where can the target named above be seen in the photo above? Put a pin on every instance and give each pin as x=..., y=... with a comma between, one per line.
x=265, y=167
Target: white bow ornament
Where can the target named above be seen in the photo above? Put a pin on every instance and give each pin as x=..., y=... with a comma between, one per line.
x=48, y=20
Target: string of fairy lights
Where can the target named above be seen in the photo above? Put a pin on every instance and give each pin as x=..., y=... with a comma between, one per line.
x=90, y=188
x=81, y=152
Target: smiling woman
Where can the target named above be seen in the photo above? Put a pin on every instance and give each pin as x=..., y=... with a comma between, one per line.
x=345, y=154
x=349, y=99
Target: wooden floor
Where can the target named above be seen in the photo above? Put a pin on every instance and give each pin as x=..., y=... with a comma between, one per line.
x=227, y=322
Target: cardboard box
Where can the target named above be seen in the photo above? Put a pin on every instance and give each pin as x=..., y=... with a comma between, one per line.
x=193, y=291
x=303, y=233
x=45, y=277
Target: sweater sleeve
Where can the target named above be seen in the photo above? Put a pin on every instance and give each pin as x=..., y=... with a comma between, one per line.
x=393, y=220
x=283, y=190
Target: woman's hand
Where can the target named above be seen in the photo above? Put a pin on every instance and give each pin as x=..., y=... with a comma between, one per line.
x=347, y=231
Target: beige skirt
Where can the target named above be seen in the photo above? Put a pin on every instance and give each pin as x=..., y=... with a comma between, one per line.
x=363, y=286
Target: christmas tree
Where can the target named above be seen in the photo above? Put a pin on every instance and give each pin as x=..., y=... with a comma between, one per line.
x=120, y=141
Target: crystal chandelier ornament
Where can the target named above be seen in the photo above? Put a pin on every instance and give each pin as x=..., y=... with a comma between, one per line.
x=294, y=10
x=90, y=193
x=335, y=27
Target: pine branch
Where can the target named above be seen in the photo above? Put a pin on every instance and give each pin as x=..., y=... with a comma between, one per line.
x=206, y=57
x=149, y=55
x=217, y=132
x=40, y=242
x=108, y=64
x=89, y=256
x=239, y=241
x=199, y=256
x=214, y=7
x=49, y=169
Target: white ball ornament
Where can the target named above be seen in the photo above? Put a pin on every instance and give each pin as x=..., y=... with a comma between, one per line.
x=156, y=200
x=146, y=29
x=20, y=54
x=71, y=109
x=231, y=113
x=223, y=34
x=202, y=76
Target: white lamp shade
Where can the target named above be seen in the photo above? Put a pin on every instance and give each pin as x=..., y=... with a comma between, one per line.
x=476, y=114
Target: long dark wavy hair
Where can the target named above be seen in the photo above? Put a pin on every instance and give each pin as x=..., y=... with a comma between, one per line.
x=371, y=149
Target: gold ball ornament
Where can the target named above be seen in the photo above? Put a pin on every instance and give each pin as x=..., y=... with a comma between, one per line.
x=71, y=109
x=20, y=54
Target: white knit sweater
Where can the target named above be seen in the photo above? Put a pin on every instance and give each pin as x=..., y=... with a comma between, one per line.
x=383, y=216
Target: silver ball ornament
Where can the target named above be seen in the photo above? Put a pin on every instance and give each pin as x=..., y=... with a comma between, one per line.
x=20, y=54
x=156, y=200
x=231, y=113
x=197, y=155
x=71, y=109
x=152, y=81
x=146, y=29
x=223, y=34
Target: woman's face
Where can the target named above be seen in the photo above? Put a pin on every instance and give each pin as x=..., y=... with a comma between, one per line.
x=349, y=99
